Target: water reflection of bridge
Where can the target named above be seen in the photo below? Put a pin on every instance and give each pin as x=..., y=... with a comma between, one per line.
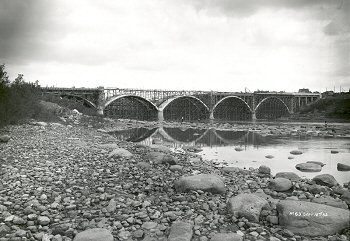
x=189, y=137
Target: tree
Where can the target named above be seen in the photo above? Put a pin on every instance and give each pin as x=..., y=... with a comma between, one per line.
x=19, y=80
x=4, y=78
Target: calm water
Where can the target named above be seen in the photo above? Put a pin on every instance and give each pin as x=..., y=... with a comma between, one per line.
x=219, y=146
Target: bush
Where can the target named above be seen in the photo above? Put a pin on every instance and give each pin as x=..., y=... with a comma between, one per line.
x=18, y=100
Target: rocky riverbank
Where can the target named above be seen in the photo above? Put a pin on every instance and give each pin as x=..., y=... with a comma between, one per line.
x=58, y=180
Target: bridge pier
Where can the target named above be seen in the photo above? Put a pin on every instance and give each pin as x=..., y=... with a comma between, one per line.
x=253, y=116
x=211, y=116
x=100, y=110
x=160, y=115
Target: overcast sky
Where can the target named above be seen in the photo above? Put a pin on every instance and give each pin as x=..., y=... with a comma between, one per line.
x=225, y=45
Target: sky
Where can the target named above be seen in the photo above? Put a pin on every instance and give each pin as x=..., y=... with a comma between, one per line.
x=219, y=45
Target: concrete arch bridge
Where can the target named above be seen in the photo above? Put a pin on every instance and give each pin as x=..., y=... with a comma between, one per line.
x=187, y=105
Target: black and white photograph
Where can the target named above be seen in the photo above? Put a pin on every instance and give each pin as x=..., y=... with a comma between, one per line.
x=174, y=120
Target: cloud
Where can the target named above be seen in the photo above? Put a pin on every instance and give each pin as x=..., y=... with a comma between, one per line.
x=340, y=21
x=205, y=44
x=23, y=24
x=239, y=8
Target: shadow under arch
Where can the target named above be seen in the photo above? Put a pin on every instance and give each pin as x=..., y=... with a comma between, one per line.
x=271, y=107
x=130, y=107
x=189, y=108
x=232, y=108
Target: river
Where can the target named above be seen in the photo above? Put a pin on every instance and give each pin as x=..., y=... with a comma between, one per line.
x=246, y=149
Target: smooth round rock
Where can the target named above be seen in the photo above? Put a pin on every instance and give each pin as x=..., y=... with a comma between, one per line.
x=4, y=138
x=226, y=237
x=289, y=175
x=280, y=184
x=308, y=167
x=296, y=152
x=325, y=180
x=316, y=162
x=43, y=220
x=94, y=234
x=205, y=182
x=264, y=169
x=312, y=219
x=247, y=205
x=343, y=167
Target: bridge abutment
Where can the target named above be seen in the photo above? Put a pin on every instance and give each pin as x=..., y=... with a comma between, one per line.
x=100, y=100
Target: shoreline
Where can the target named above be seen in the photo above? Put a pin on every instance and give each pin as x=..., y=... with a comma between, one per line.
x=69, y=174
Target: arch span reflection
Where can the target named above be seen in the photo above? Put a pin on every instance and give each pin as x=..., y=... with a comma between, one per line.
x=189, y=136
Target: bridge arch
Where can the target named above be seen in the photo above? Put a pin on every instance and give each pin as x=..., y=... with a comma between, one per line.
x=187, y=107
x=271, y=107
x=232, y=108
x=85, y=101
x=130, y=107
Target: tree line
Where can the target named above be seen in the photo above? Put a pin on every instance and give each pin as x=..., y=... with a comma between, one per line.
x=21, y=100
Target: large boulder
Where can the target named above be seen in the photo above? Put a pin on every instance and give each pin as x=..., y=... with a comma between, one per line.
x=4, y=138
x=325, y=180
x=226, y=237
x=343, y=167
x=312, y=219
x=308, y=167
x=289, y=175
x=247, y=205
x=280, y=184
x=94, y=234
x=180, y=231
x=327, y=200
x=205, y=182
x=120, y=152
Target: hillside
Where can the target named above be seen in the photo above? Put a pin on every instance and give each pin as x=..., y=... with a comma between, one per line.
x=331, y=107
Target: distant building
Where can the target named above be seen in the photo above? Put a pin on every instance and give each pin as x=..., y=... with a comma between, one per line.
x=304, y=91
